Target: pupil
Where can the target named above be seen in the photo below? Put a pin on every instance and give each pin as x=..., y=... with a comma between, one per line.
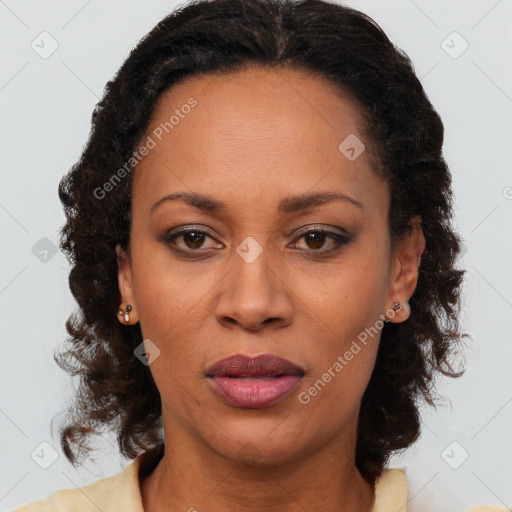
x=316, y=243
x=195, y=238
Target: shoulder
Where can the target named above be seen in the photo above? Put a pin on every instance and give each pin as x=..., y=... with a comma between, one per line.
x=488, y=508
x=118, y=492
x=391, y=491
x=391, y=494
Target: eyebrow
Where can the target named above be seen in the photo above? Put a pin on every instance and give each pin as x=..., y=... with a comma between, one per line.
x=288, y=205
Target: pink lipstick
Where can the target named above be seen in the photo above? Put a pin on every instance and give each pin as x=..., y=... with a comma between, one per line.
x=254, y=382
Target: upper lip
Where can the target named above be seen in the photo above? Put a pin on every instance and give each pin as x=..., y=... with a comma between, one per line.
x=263, y=365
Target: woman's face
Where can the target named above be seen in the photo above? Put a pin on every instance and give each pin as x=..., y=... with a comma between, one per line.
x=251, y=277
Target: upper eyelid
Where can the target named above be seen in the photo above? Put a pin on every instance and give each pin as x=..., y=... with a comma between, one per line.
x=321, y=228
x=181, y=230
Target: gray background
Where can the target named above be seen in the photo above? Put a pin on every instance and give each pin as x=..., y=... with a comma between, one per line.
x=46, y=104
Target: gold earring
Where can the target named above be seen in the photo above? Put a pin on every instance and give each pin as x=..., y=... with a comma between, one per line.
x=125, y=314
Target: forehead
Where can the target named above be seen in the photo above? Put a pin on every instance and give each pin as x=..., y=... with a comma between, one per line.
x=251, y=129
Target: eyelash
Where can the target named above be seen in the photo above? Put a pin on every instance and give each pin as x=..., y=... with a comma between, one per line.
x=341, y=240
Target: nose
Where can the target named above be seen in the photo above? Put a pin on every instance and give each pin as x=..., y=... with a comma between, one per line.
x=254, y=295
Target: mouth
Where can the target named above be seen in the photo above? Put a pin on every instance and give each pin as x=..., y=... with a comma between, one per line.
x=254, y=382
x=261, y=366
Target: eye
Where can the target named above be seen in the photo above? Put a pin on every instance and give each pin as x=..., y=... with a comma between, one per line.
x=192, y=241
x=317, y=238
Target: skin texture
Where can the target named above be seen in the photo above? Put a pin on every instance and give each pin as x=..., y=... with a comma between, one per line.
x=256, y=137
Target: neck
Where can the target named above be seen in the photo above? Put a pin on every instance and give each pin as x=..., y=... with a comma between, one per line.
x=199, y=480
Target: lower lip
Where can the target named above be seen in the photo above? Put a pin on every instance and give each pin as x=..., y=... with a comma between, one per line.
x=256, y=393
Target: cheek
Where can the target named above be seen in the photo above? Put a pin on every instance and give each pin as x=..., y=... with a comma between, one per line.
x=174, y=306
x=170, y=315
x=173, y=321
x=343, y=319
x=169, y=295
x=331, y=399
x=342, y=351
x=345, y=299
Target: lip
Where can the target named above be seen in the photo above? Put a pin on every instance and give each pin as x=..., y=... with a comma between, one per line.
x=273, y=378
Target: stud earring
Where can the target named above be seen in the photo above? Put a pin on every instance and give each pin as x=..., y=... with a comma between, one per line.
x=125, y=314
x=404, y=308
x=397, y=306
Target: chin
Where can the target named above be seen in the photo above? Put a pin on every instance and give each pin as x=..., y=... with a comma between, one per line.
x=257, y=447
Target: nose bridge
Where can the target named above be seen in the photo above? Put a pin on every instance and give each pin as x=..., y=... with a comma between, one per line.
x=253, y=293
x=253, y=267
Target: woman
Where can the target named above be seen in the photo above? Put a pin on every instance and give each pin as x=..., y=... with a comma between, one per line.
x=260, y=227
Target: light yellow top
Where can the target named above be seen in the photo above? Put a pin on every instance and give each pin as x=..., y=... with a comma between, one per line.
x=121, y=492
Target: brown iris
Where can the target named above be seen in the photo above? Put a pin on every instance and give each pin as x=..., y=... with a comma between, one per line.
x=195, y=237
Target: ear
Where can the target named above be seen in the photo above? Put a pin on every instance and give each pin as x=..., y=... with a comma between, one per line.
x=125, y=283
x=406, y=260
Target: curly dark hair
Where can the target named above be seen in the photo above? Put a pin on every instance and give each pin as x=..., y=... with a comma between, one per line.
x=405, y=133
